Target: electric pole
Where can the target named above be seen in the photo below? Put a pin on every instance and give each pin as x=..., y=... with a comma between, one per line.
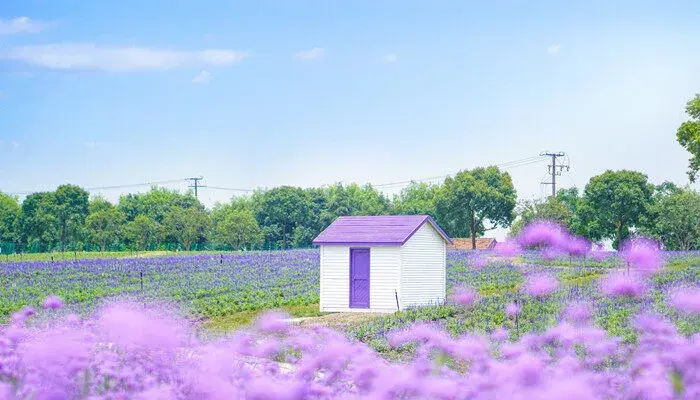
x=195, y=184
x=554, y=169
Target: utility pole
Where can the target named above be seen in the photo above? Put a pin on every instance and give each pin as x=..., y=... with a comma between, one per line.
x=195, y=184
x=554, y=169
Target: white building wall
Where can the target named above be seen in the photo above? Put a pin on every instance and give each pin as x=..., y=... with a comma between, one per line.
x=423, y=272
x=383, y=279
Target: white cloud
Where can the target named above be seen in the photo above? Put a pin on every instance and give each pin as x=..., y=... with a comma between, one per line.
x=553, y=49
x=94, y=57
x=203, y=77
x=391, y=58
x=312, y=54
x=20, y=25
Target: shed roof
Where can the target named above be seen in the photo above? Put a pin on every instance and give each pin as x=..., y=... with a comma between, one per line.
x=375, y=230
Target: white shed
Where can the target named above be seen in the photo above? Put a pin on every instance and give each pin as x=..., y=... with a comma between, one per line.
x=382, y=263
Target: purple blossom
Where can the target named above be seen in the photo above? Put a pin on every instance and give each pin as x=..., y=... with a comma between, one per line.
x=578, y=312
x=512, y=310
x=686, y=300
x=52, y=303
x=642, y=254
x=543, y=233
x=464, y=296
x=620, y=284
x=541, y=285
x=507, y=249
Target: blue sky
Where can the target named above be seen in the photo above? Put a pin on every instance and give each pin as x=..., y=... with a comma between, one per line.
x=260, y=93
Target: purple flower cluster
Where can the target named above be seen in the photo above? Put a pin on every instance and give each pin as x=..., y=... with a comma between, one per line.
x=553, y=239
x=620, y=284
x=128, y=351
x=643, y=255
x=541, y=285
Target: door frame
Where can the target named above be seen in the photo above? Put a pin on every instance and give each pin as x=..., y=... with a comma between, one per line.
x=369, y=272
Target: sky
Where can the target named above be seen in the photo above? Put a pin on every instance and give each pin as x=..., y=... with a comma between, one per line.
x=255, y=94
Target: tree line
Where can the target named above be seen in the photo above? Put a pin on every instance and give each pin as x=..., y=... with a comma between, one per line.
x=613, y=206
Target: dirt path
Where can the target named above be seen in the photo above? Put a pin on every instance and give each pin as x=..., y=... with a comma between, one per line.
x=339, y=321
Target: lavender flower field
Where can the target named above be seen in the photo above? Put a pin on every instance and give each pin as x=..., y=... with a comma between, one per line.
x=203, y=285
x=547, y=324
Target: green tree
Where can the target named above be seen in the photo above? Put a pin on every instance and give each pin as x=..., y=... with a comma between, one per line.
x=279, y=211
x=155, y=203
x=238, y=228
x=186, y=225
x=71, y=210
x=38, y=225
x=676, y=220
x=9, y=216
x=570, y=197
x=613, y=205
x=552, y=209
x=688, y=136
x=466, y=202
x=354, y=199
x=143, y=232
x=104, y=223
x=416, y=199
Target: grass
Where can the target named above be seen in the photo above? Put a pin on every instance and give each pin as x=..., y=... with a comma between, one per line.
x=245, y=318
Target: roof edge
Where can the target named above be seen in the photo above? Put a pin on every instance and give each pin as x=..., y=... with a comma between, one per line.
x=435, y=226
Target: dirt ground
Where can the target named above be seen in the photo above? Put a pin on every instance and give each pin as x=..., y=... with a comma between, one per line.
x=338, y=321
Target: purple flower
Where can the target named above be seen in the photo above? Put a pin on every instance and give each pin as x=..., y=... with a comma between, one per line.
x=643, y=254
x=541, y=285
x=577, y=246
x=543, y=233
x=686, y=300
x=464, y=296
x=506, y=249
x=578, y=312
x=273, y=322
x=52, y=303
x=512, y=310
x=619, y=284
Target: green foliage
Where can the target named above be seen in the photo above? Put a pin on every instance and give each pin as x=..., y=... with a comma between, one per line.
x=38, y=221
x=186, y=225
x=353, y=199
x=688, y=136
x=552, y=209
x=71, y=209
x=237, y=228
x=104, y=223
x=9, y=215
x=466, y=202
x=142, y=232
x=155, y=203
x=280, y=211
x=675, y=220
x=416, y=199
x=613, y=204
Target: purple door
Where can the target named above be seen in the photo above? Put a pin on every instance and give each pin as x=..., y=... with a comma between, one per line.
x=359, y=278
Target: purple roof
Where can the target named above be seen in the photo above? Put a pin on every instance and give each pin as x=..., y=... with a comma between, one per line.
x=375, y=230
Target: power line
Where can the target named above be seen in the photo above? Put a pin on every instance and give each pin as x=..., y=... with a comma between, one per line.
x=195, y=181
x=229, y=189
x=507, y=164
x=112, y=187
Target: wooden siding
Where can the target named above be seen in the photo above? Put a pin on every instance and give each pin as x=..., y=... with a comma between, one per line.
x=423, y=272
x=335, y=279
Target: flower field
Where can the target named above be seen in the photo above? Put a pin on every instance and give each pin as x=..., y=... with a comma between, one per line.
x=547, y=324
x=203, y=285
